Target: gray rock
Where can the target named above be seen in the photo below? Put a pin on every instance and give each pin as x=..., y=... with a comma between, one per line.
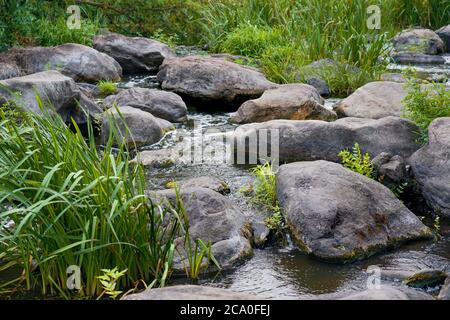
x=374, y=100
x=423, y=41
x=290, y=101
x=190, y=292
x=160, y=158
x=143, y=127
x=320, y=85
x=426, y=278
x=54, y=89
x=8, y=71
x=212, y=217
x=261, y=234
x=444, y=34
x=444, y=294
x=82, y=63
x=135, y=54
x=393, y=77
x=390, y=169
x=430, y=166
x=416, y=58
x=161, y=104
x=207, y=182
x=338, y=215
x=389, y=293
x=211, y=82
x=320, y=140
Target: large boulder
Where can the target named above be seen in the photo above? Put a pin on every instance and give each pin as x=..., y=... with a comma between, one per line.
x=8, y=71
x=190, y=292
x=290, y=101
x=338, y=215
x=134, y=126
x=55, y=91
x=211, y=82
x=162, y=104
x=374, y=100
x=444, y=34
x=431, y=167
x=212, y=217
x=320, y=140
x=135, y=54
x=423, y=41
x=82, y=63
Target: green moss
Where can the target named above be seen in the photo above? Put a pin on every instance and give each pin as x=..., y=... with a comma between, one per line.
x=426, y=279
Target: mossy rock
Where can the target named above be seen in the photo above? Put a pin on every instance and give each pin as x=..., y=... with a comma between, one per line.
x=426, y=278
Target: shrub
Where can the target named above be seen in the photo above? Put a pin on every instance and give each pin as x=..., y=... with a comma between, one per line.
x=357, y=162
x=106, y=87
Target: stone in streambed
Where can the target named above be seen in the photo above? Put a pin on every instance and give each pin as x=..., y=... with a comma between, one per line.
x=207, y=182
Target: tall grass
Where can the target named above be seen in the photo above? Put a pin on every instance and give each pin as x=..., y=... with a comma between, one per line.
x=72, y=203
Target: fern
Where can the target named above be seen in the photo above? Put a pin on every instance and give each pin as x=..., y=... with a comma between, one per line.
x=356, y=161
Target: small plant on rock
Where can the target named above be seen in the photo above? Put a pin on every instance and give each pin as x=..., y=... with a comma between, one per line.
x=106, y=87
x=109, y=280
x=357, y=162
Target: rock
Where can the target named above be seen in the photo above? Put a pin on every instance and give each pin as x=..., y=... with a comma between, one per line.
x=90, y=90
x=211, y=82
x=165, y=125
x=320, y=140
x=8, y=71
x=416, y=58
x=374, y=100
x=77, y=61
x=393, y=77
x=290, y=101
x=247, y=61
x=261, y=234
x=135, y=54
x=430, y=166
x=423, y=41
x=389, y=293
x=320, y=85
x=426, y=279
x=341, y=216
x=189, y=292
x=144, y=128
x=212, y=217
x=444, y=34
x=160, y=158
x=390, y=169
x=444, y=294
x=54, y=89
x=207, y=182
x=162, y=104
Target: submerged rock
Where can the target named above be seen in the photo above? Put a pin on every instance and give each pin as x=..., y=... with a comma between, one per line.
x=338, y=215
x=422, y=41
x=162, y=104
x=291, y=101
x=82, y=63
x=135, y=54
x=431, y=167
x=374, y=100
x=211, y=82
x=212, y=217
x=190, y=292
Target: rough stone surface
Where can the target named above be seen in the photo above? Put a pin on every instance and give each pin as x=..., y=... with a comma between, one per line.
x=321, y=86
x=162, y=104
x=430, y=166
x=418, y=40
x=212, y=83
x=8, y=71
x=444, y=34
x=338, y=215
x=291, y=101
x=208, y=182
x=374, y=100
x=135, y=54
x=391, y=169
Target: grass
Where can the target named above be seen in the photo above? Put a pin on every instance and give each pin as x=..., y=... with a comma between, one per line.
x=357, y=162
x=74, y=204
x=106, y=87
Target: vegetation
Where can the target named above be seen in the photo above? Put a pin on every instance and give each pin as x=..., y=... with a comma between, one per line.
x=106, y=87
x=265, y=191
x=357, y=162
x=109, y=280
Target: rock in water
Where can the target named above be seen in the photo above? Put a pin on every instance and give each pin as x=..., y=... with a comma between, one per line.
x=212, y=83
x=320, y=140
x=423, y=41
x=207, y=182
x=291, y=101
x=212, y=217
x=338, y=215
x=135, y=54
x=389, y=293
x=374, y=100
x=431, y=167
x=143, y=127
x=161, y=104
x=82, y=63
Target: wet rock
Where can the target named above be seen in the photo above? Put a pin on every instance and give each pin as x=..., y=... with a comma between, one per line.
x=190, y=292
x=208, y=182
x=338, y=215
x=82, y=63
x=8, y=71
x=391, y=169
x=212, y=217
x=143, y=127
x=291, y=101
x=212, y=83
x=54, y=89
x=134, y=54
x=160, y=158
x=426, y=279
x=261, y=234
x=444, y=294
x=389, y=293
x=430, y=166
x=423, y=41
x=444, y=34
x=162, y=104
x=414, y=58
x=320, y=140
x=374, y=100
